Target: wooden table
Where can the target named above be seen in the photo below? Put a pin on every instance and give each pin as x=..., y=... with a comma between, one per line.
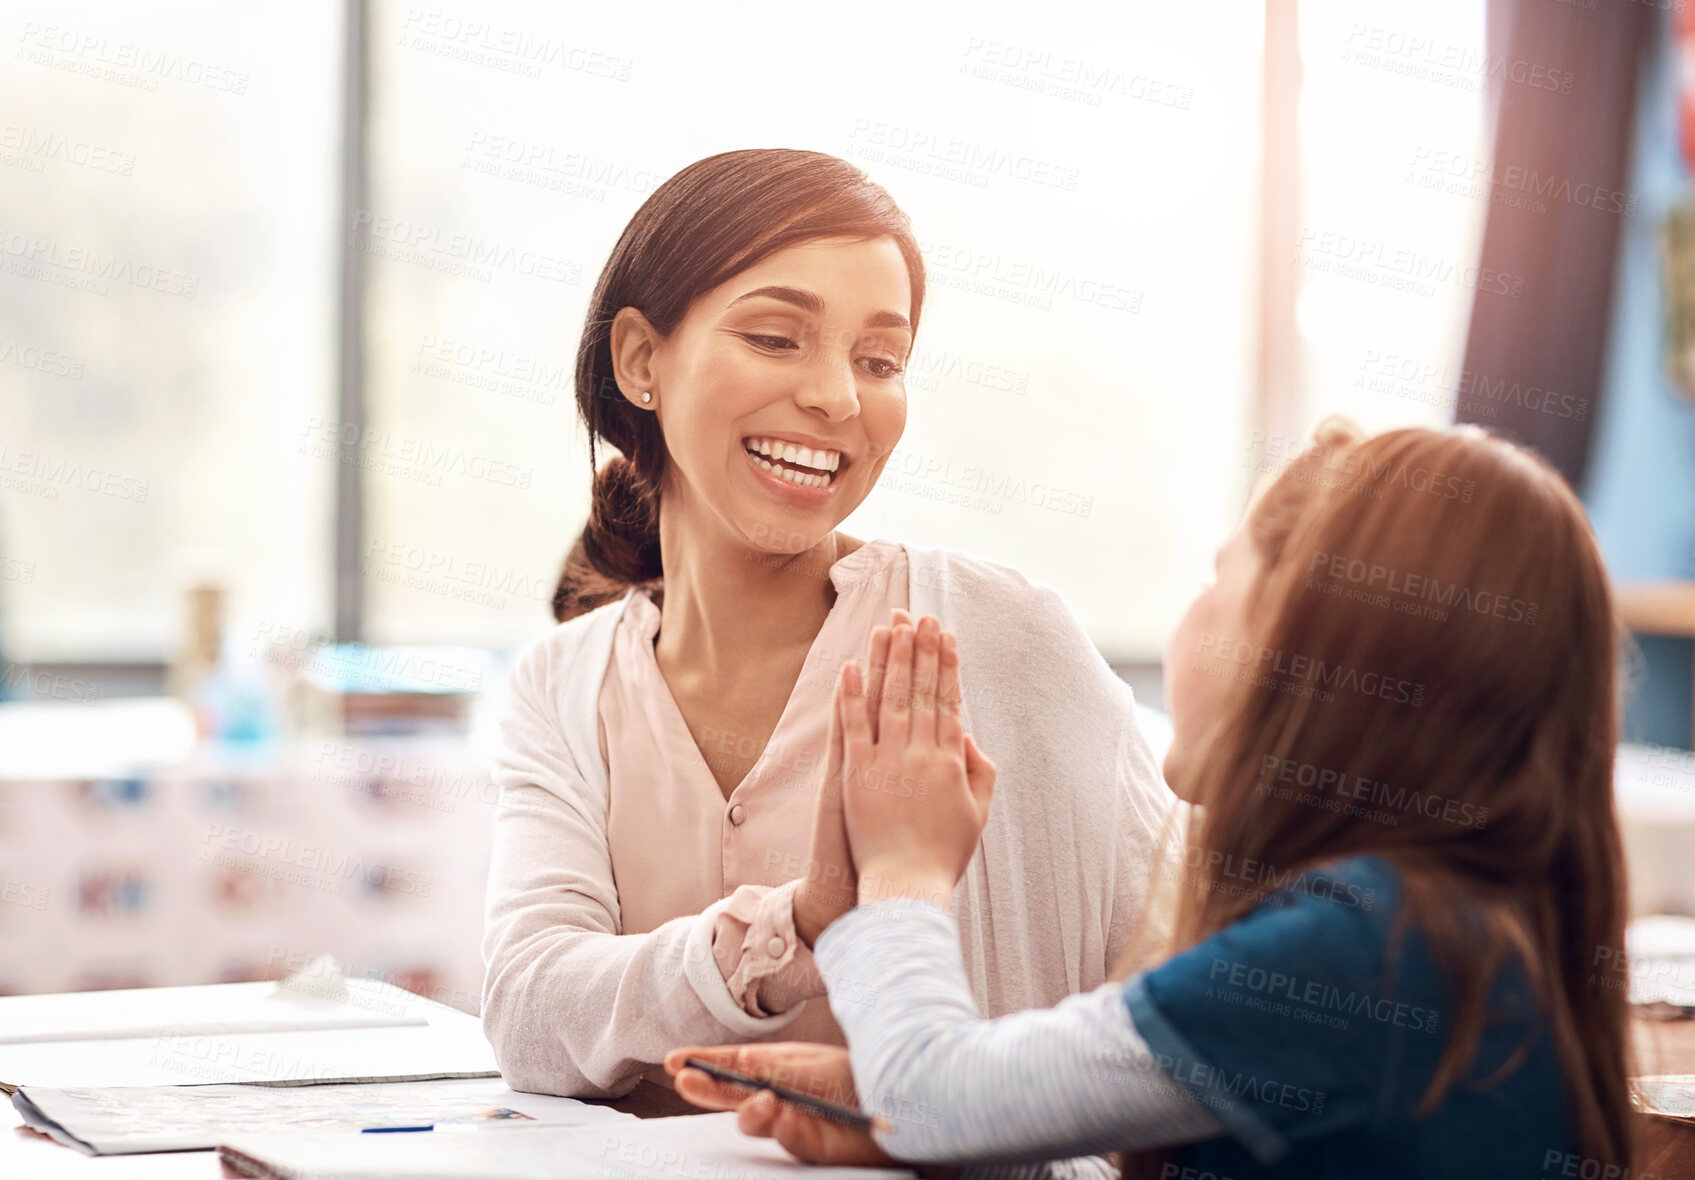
x=1665, y=1046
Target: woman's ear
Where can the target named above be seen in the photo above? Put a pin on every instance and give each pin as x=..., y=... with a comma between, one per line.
x=632, y=343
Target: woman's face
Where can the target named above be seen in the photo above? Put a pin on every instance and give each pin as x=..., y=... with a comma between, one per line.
x=780, y=394
x=1198, y=669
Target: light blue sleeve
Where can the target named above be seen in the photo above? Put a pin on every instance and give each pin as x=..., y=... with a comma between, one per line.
x=1070, y=1080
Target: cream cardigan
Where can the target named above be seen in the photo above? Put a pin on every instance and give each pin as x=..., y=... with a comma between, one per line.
x=1053, y=897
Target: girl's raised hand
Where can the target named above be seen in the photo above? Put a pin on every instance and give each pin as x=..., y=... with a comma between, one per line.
x=916, y=792
x=831, y=886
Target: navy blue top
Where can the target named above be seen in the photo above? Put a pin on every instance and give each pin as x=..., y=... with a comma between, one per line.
x=1297, y=1031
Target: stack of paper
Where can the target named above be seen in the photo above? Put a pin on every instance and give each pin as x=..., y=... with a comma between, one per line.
x=661, y=1149
x=117, y=1120
x=241, y=1032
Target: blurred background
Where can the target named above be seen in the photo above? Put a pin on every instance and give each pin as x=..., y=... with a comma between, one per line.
x=289, y=302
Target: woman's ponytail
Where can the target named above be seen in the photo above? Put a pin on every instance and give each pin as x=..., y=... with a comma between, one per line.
x=618, y=548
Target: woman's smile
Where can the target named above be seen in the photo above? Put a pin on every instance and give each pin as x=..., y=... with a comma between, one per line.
x=802, y=474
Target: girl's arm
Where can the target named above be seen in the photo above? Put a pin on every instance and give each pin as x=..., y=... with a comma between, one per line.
x=1061, y=1081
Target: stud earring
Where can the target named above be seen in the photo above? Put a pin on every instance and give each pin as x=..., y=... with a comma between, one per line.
x=646, y=396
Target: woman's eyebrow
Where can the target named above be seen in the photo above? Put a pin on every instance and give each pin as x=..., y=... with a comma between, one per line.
x=809, y=302
x=805, y=300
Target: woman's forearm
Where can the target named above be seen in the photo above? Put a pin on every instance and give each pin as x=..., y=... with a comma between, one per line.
x=1045, y=1083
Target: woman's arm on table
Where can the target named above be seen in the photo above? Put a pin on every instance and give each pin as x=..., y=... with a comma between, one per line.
x=570, y=1004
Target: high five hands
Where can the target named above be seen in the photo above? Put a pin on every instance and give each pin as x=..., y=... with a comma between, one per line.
x=901, y=808
x=905, y=791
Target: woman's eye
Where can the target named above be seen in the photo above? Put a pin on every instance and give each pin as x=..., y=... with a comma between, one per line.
x=776, y=343
x=879, y=366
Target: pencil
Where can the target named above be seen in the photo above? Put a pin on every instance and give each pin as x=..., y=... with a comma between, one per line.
x=817, y=1106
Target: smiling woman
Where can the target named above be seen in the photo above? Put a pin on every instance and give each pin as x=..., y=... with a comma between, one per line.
x=653, y=881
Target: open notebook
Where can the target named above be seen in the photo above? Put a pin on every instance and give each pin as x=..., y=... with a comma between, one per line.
x=706, y=1146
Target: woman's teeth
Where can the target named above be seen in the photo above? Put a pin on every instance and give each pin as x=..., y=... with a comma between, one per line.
x=799, y=465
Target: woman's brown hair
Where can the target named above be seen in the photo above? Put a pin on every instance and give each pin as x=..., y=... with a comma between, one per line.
x=702, y=227
x=1434, y=617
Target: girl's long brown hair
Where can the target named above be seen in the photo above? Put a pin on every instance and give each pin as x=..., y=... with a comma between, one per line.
x=1433, y=616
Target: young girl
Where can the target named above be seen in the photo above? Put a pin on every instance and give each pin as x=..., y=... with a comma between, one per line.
x=1395, y=712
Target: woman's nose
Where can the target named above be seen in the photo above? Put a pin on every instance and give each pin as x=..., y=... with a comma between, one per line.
x=830, y=386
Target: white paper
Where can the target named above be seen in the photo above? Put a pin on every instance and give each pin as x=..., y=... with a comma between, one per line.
x=648, y=1149
x=213, y=1008
x=341, y=1055
x=114, y=1120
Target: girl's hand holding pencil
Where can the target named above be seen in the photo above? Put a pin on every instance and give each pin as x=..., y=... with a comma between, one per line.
x=818, y=1072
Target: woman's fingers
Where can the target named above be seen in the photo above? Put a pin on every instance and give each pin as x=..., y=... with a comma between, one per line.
x=896, y=716
x=876, y=666
x=949, y=728
x=926, y=661
x=855, y=719
x=979, y=775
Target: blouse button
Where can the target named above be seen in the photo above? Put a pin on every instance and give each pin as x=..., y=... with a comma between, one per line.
x=775, y=947
x=737, y=814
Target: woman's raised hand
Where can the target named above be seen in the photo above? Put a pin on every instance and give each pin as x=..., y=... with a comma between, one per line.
x=916, y=789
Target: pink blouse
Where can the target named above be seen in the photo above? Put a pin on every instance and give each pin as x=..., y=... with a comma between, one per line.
x=677, y=845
